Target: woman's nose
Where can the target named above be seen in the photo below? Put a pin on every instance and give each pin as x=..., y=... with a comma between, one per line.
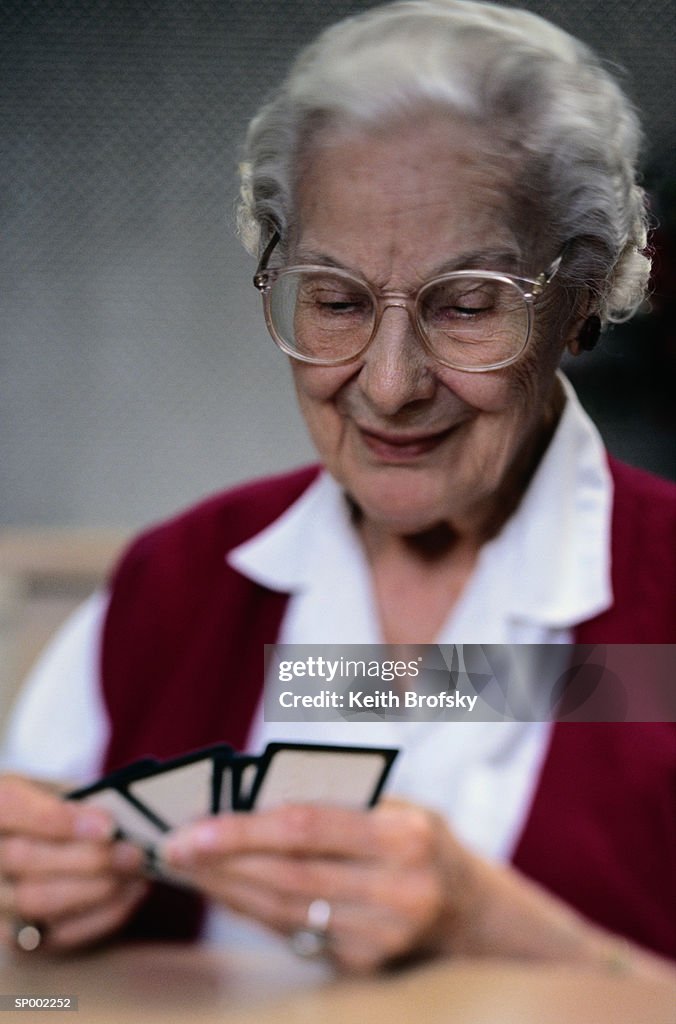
x=396, y=369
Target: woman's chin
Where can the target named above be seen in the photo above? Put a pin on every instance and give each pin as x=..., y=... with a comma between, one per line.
x=401, y=509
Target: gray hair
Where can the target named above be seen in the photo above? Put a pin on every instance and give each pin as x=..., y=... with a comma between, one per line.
x=504, y=67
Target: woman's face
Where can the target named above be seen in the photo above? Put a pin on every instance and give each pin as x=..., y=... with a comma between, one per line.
x=413, y=442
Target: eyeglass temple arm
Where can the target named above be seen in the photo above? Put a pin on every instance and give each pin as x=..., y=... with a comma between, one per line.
x=260, y=278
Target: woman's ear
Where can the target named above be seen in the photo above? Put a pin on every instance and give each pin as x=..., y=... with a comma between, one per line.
x=585, y=329
x=588, y=334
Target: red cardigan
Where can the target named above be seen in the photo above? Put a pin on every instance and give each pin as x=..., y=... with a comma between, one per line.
x=182, y=667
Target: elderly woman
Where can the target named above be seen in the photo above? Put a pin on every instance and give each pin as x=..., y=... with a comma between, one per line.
x=442, y=199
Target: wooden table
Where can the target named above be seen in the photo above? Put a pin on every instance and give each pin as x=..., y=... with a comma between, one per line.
x=148, y=984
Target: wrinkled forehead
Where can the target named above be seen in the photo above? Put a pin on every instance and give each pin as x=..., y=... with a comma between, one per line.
x=418, y=192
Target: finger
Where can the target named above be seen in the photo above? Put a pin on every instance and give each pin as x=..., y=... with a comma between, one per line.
x=7, y=932
x=96, y=923
x=406, y=834
x=50, y=899
x=416, y=895
x=306, y=878
x=27, y=807
x=21, y=856
x=279, y=911
x=7, y=899
x=361, y=954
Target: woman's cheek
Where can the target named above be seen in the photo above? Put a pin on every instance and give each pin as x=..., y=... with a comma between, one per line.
x=318, y=390
x=319, y=384
x=483, y=392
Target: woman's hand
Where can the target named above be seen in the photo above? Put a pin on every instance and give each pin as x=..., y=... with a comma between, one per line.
x=392, y=887
x=398, y=883
x=60, y=868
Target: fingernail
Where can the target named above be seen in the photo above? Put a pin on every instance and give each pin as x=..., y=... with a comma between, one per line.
x=93, y=824
x=205, y=835
x=183, y=846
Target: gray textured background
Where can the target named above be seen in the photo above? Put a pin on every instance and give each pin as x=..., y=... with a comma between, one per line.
x=136, y=371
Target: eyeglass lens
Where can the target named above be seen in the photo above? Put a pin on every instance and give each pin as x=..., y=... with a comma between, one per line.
x=467, y=320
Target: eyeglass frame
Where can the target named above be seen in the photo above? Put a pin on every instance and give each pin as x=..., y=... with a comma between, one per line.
x=265, y=277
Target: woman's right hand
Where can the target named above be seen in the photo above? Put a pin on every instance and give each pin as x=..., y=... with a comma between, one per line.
x=61, y=868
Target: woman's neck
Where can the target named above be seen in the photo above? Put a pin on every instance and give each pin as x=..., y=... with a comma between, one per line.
x=417, y=580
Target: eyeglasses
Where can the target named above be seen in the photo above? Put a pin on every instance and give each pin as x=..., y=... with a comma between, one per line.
x=471, y=320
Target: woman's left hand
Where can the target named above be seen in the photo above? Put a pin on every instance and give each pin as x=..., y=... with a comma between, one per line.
x=392, y=876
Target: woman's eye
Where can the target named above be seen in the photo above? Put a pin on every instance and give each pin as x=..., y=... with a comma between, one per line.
x=334, y=302
x=337, y=305
x=458, y=310
x=470, y=307
x=453, y=302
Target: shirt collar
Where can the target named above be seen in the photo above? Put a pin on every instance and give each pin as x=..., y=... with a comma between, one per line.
x=312, y=533
x=559, y=537
x=556, y=545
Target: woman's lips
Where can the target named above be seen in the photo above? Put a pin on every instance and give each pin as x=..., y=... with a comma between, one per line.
x=392, y=447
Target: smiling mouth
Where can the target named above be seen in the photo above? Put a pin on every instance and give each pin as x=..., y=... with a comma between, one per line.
x=402, y=447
